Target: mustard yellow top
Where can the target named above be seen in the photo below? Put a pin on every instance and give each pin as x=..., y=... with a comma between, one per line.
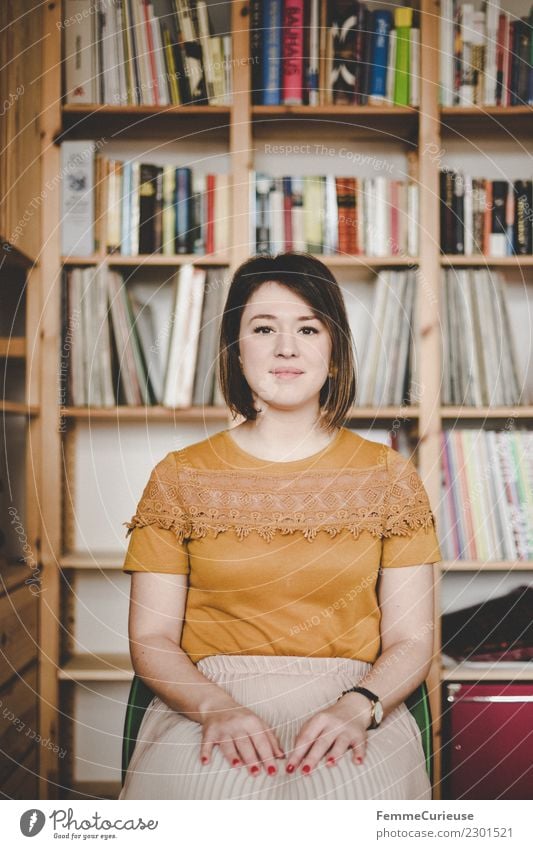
x=282, y=558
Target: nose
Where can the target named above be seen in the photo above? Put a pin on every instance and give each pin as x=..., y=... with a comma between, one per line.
x=286, y=345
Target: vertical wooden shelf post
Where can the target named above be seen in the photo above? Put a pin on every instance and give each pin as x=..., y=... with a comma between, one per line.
x=241, y=152
x=427, y=323
x=50, y=277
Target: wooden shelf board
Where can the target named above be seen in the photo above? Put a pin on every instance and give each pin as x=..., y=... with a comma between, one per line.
x=92, y=790
x=383, y=413
x=19, y=408
x=486, y=565
x=332, y=260
x=90, y=120
x=514, y=120
x=348, y=261
x=95, y=560
x=145, y=413
x=90, y=667
x=398, y=122
x=12, y=257
x=525, y=412
x=494, y=672
x=480, y=260
x=13, y=347
x=118, y=260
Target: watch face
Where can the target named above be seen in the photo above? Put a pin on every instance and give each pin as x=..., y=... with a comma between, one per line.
x=378, y=712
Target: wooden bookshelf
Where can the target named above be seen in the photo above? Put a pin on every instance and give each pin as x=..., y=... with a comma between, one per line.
x=521, y=413
x=14, y=347
x=239, y=126
x=486, y=565
x=487, y=120
x=482, y=261
x=143, y=122
x=489, y=672
x=105, y=560
x=19, y=408
x=146, y=260
x=21, y=477
x=91, y=667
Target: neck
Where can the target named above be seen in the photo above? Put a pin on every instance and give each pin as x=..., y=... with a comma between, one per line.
x=275, y=429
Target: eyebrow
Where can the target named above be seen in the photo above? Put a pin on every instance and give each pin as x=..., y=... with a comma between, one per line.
x=274, y=317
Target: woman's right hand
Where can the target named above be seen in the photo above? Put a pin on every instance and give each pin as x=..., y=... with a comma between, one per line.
x=243, y=737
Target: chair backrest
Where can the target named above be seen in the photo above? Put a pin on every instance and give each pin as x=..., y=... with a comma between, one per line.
x=140, y=697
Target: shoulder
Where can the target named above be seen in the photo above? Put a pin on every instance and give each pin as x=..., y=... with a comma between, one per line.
x=208, y=453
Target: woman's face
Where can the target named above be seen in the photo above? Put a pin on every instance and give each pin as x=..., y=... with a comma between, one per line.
x=285, y=351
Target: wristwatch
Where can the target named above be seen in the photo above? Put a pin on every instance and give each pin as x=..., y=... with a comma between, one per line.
x=377, y=708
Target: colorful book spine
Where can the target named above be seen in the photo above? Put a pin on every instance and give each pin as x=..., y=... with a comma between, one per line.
x=292, y=52
x=271, y=52
x=403, y=19
x=381, y=27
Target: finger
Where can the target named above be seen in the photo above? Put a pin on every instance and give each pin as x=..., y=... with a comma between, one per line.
x=206, y=748
x=339, y=748
x=278, y=750
x=266, y=752
x=305, y=739
x=248, y=755
x=228, y=749
x=316, y=752
x=359, y=751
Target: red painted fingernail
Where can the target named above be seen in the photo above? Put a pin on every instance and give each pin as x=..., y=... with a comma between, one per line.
x=235, y=762
x=271, y=770
x=290, y=767
x=306, y=768
x=204, y=759
x=254, y=770
x=359, y=760
x=331, y=760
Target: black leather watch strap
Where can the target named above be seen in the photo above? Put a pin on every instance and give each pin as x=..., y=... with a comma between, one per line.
x=369, y=695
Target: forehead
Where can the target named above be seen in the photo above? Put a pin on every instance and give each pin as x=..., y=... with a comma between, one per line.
x=273, y=294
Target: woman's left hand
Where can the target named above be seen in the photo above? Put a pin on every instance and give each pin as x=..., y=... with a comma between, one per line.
x=333, y=731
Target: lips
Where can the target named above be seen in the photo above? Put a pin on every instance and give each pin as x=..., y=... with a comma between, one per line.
x=287, y=371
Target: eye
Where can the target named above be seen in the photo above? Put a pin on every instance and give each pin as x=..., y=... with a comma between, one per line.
x=261, y=328
x=308, y=327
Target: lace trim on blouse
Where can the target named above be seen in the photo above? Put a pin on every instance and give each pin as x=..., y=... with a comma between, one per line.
x=386, y=500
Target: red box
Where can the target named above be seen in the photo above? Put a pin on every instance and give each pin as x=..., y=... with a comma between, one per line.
x=488, y=741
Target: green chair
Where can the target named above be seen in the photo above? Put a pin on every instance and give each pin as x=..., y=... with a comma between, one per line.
x=140, y=697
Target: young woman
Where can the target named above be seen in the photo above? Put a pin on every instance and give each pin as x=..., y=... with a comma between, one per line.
x=281, y=600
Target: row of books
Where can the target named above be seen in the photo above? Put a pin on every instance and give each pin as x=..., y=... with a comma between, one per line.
x=128, y=342
x=480, y=364
x=487, y=503
x=139, y=344
x=140, y=53
x=340, y=52
x=386, y=369
x=330, y=215
x=485, y=55
x=160, y=209
x=491, y=217
x=146, y=208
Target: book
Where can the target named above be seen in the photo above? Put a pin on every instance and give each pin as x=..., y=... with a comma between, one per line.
x=335, y=52
x=183, y=342
x=485, y=55
x=329, y=215
x=479, y=216
x=77, y=198
x=501, y=481
x=135, y=52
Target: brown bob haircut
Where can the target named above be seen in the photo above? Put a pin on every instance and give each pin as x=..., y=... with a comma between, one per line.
x=316, y=285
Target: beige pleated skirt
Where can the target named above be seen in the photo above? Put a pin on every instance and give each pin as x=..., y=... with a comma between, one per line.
x=284, y=692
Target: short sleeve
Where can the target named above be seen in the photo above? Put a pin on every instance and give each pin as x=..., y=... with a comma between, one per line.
x=159, y=528
x=409, y=528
